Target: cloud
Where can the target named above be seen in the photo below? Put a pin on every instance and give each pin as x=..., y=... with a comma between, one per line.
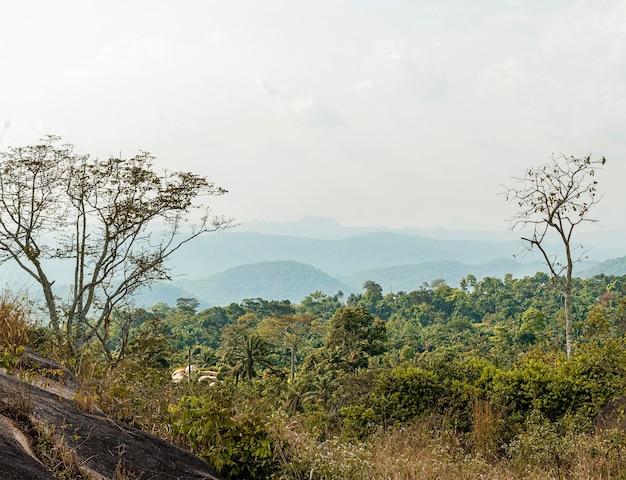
x=308, y=109
x=573, y=68
x=514, y=77
x=127, y=57
x=267, y=86
x=393, y=65
x=363, y=85
x=312, y=111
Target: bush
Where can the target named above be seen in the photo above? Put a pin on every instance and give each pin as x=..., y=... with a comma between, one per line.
x=237, y=444
x=406, y=393
x=15, y=330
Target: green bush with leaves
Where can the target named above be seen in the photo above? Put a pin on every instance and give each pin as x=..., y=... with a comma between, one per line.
x=238, y=444
x=406, y=393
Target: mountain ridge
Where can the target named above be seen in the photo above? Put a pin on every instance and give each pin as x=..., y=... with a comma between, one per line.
x=218, y=252
x=210, y=268
x=329, y=228
x=289, y=280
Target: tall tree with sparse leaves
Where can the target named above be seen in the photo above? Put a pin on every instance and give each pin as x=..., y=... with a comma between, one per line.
x=556, y=197
x=116, y=221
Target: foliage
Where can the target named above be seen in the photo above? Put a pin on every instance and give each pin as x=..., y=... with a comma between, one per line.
x=456, y=383
x=289, y=331
x=406, y=393
x=16, y=328
x=238, y=444
x=357, y=334
x=242, y=348
x=98, y=218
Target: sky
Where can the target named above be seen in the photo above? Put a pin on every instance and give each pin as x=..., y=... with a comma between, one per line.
x=376, y=113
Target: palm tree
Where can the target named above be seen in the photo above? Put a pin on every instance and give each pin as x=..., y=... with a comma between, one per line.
x=243, y=351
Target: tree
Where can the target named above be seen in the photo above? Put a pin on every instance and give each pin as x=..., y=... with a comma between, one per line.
x=556, y=197
x=187, y=305
x=242, y=349
x=291, y=331
x=533, y=323
x=321, y=305
x=373, y=300
x=115, y=221
x=373, y=290
x=355, y=331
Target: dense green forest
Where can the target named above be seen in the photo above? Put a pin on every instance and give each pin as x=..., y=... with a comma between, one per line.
x=467, y=381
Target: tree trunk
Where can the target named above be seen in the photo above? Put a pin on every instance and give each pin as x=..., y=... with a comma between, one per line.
x=293, y=363
x=569, y=342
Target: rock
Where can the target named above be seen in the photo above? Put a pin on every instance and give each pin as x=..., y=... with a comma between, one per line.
x=613, y=416
x=33, y=362
x=17, y=461
x=103, y=447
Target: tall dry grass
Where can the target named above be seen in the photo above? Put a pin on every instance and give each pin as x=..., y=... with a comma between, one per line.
x=417, y=452
x=425, y=450
x=15, y=329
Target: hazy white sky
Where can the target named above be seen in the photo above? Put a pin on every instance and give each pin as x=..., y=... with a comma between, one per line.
x=400, y=113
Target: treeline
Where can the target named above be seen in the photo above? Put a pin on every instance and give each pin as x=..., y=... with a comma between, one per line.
x=496, y=318
x=474, y=376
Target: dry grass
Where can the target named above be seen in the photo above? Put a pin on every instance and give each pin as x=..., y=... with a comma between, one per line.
x=416, y=452
x=424, y=450
x=420, y=452
x=15, y=329
x=54, y=453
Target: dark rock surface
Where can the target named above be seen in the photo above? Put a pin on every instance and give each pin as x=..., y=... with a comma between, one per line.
x=103, y=446
x=15, y=462
x=613, y=416
x=34, y=362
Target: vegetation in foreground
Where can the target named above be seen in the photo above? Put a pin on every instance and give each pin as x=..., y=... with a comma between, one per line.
x=441, y=382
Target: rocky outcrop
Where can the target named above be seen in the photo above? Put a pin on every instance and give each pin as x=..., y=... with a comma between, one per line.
x=612, y=416
x=100, y=447
x=17, y=461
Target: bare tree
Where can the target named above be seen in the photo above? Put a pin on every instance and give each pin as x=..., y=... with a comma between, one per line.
x=116, y=221
x=556, y=197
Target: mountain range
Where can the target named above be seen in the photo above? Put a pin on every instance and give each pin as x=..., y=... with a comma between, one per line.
x=288, y=261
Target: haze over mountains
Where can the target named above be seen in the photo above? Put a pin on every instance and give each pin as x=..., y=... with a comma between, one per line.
x=278, y=261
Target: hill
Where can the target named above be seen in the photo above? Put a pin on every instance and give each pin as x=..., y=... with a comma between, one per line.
x=281, y=280
x=216, y=253
x=289, y=280
x=614, y=266
x=329, y=228
x=410, y=277
x=229, y=266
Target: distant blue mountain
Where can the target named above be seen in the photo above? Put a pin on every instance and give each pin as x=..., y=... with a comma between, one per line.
x=410, y=277
x=289, y=280
x=321, y=254
x=614, y=266
x=215, y=253
x=279, y=280
x=330, y=229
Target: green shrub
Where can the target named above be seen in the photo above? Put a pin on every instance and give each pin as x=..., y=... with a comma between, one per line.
x=406, y=393
x=359, y=421
x=237, y=444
